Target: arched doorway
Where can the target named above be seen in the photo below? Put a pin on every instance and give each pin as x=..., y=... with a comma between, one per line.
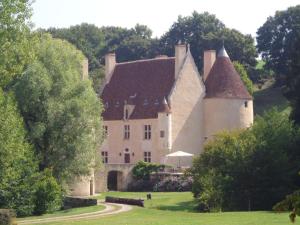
x=114, y=180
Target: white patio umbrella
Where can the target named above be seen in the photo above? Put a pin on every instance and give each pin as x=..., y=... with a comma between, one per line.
x=180, y=154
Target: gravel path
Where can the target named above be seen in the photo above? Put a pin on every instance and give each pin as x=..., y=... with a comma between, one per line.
x=110, y=209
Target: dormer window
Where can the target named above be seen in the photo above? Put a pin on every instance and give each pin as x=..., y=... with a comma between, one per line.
x=146, y=102
x=156, y=102
x=126, y=114
x=117, y=104
x=106, y=105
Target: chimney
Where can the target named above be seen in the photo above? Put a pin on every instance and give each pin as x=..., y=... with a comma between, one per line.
x=110, y=62
x=180, y=53
x=85, y=69
x=209, y=60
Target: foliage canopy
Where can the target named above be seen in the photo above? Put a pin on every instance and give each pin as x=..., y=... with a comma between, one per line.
x=251, y=169
x=61, y=111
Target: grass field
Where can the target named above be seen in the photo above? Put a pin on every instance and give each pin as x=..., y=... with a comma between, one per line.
x=67, y=212
x=177, y=209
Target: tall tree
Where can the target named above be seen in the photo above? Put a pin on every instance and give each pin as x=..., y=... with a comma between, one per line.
x=61, y=111
x=130, y=44
x=86, y=37
x=17, y=165
x=15, y=46
x=292, y=88
x=277, y=37
x=204, y=31
x=279, y=42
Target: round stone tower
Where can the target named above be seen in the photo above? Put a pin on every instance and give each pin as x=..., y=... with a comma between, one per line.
x=227, y=104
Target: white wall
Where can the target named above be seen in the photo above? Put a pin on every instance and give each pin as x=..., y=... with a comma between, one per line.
x=226, y=114
x=187, y=111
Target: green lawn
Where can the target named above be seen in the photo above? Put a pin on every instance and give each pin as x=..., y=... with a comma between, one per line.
x=67, y=212
x=173, y=201
x=177, y=209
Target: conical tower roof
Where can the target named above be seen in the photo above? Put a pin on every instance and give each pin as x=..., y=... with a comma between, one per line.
x=223, y=81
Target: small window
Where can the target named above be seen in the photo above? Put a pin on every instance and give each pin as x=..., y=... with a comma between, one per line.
x=104, y=157
x=147, y=132
x=126, y=114
x=162, y=133
x=126, y=131
x=246, y=104
x=147, y=157
x=105, y=130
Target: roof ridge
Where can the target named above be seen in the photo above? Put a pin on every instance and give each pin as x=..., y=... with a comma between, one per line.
x=144, y=60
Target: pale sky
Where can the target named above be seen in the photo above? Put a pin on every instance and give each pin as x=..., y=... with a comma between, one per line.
x=243, y=15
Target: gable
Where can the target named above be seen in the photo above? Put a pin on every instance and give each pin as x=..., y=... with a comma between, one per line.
x=190, y=69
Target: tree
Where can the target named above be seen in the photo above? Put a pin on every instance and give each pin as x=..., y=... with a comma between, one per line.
x=86, y=37
x=291, y=201
x=15, y=46
x=277, y=38
x=61, y=111
x=244, y=76
x=279, y=41
x=292, y=87
x=250, y=169
x=204, y=31
x=130, y=44
x=17, y=166
x=94, y=42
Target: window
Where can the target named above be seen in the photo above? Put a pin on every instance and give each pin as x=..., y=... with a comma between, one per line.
x=147, y=157
x=126, y=131
x=126, y=114
x=246, y=104
x=147, y=132
x=104, y=157
x=162, y=133
x=105, y=130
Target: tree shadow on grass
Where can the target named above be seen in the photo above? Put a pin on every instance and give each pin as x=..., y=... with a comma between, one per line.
x=188, y=206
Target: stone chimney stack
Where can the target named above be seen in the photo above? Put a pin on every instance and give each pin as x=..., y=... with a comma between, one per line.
x=110, y=63
x=180, y=53
x=209, y=60
x=85, y=69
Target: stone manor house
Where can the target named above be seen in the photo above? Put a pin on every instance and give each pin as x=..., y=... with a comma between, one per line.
x=157, y=106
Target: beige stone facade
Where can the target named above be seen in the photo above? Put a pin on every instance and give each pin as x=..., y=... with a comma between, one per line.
x=189, y=114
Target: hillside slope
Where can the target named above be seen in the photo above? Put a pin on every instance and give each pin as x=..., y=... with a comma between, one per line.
x=270, y=96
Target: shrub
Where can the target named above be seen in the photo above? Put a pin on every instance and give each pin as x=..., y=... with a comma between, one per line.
x=142, y=170
x=291, y=202
x=48, y=195
x=141, y=185
x=249, y=169
x=174, y=184
x=7, y=217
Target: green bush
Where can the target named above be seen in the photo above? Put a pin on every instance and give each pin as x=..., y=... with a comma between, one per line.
x=7, y=217
x=48, y=195
x=291, y=202
x=249, y=169
x=173, y=184
x=142, y=170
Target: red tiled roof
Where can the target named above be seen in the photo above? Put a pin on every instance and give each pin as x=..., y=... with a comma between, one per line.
x=148, y=82
x=223, y=81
